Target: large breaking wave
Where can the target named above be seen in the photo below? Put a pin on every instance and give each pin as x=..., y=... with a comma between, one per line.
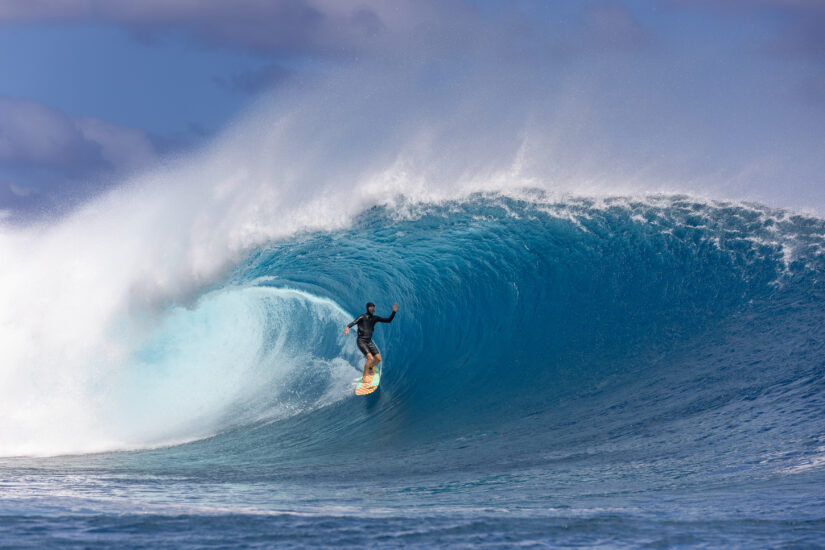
x=542, y=285
x=578, y=320
x=561, y=322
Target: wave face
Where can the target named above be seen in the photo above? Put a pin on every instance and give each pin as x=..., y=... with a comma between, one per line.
x=560, y=327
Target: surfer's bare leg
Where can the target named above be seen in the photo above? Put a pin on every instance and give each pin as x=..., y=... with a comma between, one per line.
x=372, y=360
x=368, y=365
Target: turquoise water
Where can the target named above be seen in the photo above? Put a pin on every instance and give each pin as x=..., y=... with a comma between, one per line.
x=580, y=373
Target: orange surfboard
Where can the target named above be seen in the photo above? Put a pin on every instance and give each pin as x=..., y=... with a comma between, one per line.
x=368, y=384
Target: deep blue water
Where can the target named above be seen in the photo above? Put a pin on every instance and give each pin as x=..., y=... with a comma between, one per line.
x=620, y=373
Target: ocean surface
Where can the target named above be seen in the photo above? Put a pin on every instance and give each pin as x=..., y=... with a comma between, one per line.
x=620, y=372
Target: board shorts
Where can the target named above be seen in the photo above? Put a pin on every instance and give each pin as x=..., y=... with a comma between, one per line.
x=367, y=346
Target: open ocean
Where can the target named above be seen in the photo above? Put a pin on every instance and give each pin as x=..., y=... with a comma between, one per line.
x=618, y=372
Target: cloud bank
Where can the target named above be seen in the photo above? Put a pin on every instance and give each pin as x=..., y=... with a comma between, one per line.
x=42, y=149
x=32, y=135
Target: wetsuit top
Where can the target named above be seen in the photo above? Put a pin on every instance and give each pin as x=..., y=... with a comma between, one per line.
x=366, y=323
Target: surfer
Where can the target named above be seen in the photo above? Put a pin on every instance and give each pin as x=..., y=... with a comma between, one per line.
x=366, y=324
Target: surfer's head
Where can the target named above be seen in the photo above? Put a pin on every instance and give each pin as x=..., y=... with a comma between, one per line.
x=370, y=307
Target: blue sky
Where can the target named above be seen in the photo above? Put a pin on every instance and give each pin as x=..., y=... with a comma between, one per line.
x=98, y=70
x=93, y=91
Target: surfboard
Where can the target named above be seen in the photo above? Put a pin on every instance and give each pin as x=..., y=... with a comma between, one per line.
x=366, y=387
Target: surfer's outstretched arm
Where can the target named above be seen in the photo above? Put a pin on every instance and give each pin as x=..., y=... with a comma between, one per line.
x=387, y=319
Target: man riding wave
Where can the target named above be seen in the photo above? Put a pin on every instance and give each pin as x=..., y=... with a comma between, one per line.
x=366, y=324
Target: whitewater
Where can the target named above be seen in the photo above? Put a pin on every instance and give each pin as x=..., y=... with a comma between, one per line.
x=575, y=361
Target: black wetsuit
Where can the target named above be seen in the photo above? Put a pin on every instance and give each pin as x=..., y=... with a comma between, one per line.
x=366, y=324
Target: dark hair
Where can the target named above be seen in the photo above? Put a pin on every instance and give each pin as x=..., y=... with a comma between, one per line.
x=370, y=304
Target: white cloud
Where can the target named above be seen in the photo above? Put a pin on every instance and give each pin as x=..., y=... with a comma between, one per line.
x=121, y=147
x=19, y=191
x=33, y=135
